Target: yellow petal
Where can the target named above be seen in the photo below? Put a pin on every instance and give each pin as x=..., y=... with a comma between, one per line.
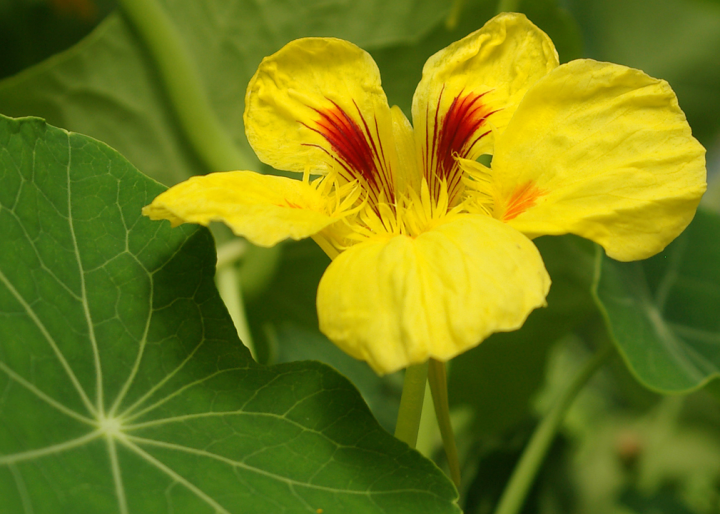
x=401, y=300
x=604, y=152
x=470, y=90
x=317, y=104
x=263, y=208
x=406, y=175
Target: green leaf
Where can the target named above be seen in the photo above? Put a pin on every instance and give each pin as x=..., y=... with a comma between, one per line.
x=123, y=386
x=499, y=377
x=107, y=86
x=663, y=312
x=382, y=394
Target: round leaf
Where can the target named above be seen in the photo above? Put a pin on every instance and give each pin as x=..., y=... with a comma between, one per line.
x=123, y=385
x=663, y=312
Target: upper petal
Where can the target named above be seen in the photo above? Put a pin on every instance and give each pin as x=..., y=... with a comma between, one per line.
x=604, y=152
x=318, y=104
x=263, y=208
x=399, y=301
x=470, y=90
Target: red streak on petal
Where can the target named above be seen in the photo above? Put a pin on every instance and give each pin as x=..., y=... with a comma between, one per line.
x=524, y=197
x=454, y=136
x=356, y=150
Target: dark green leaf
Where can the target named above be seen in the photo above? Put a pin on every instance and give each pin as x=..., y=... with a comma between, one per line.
x=663, y=312
x=33, y=30
x=123, y=386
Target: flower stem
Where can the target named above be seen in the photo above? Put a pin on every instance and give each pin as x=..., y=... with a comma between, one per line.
x=454, y=16
x=508, y=6
x=183, y=85
x=437, y=377
x=411, y=403
x=526, y=469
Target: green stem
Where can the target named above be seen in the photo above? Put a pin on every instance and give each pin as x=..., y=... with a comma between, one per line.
x=437, y=377
x=454, y=16
x=228, y=284
x=524, y=474
x=411, y=403
x=184, y=87
x=508, y=6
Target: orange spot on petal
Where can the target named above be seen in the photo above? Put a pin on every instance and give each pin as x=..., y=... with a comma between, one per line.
x=524, y=197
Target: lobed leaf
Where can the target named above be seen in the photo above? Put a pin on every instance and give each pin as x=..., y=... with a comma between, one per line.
x=123, y=386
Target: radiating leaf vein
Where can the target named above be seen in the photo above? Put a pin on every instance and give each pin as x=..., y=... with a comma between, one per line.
x=51, y=341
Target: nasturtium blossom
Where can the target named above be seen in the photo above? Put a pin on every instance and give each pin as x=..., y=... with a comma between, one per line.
x=432, y=250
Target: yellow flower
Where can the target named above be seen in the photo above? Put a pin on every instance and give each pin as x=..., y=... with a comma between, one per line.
x=431, y=250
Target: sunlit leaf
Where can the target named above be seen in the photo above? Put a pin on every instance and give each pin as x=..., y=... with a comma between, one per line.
x=663, y=312
x=123, y=386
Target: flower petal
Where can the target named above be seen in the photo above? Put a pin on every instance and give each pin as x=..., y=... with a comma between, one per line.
x=470, y=90
x=401, y=300
x=604, y=152
x=263, y=208
x=317, y=104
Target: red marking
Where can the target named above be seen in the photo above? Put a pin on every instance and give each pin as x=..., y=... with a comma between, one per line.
x=524, y=197
x=290, y=204
x=454, y=136
x=359, y=153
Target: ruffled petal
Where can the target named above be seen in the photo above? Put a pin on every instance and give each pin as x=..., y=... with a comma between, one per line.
x=262, y=208
x=604, y=152
x=470, y=90
x=317, y=104
x=399, y=301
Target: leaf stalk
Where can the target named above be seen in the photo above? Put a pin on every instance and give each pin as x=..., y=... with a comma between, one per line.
x=411, y=404
x=532, y=457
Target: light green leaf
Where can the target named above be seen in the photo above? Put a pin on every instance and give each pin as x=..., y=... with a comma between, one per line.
x=123, y=387
x=108, y=87
x=663, y=312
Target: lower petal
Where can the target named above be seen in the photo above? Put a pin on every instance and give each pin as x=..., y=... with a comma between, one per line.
x=265, y=209
x=399, y=301
x=604, y=152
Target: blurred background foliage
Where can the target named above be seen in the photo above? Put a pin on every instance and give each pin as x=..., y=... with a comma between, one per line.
x=624, y=449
